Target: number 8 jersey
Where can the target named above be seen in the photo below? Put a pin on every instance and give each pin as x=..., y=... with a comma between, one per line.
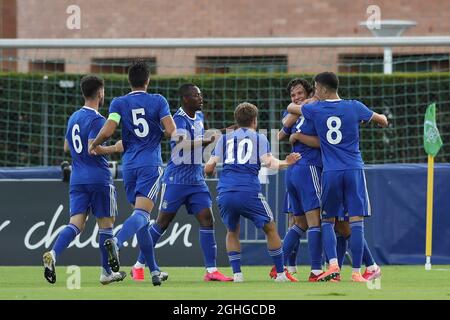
x=84, y=125
x=337, y=125
x=140, y=114
x=240, y=153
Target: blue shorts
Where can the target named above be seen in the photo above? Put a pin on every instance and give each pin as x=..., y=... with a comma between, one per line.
x=253, y=206
x=194, y=197
x=287, y=203
x=100, y=199
x=344, y=192
x=143, y=182
x=304, y=188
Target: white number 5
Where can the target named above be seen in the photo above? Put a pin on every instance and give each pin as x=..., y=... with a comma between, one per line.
x=140, y=121
x=334, y=129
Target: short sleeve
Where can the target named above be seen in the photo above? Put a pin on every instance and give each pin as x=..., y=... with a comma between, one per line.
x=114, y=107
x=96, y=126
x=363, y=113
x=308, y=128
x=307, y=111
x=218, y=149
x=164, y=109
x=263, y=144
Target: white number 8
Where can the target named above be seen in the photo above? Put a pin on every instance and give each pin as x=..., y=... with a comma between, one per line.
x=334, y=129
x=76, y=139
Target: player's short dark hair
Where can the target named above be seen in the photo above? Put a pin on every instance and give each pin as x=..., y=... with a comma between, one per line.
x=327, y=79
x=185, y=89
x=245, y=114
x=300, y=81
x=138, y=74
x=90, y=84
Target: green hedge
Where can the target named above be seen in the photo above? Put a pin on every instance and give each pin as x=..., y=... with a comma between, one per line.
x=403, y=97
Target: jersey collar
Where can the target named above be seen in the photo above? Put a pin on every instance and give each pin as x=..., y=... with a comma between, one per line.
x=332, y=100
x=185, y=114
x=137, y=91
x=89, y=108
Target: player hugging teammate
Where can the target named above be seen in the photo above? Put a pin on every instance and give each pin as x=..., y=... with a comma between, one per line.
x=326, y=184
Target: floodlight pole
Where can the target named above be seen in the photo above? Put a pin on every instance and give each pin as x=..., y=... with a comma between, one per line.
x=387, y=60
x=388, y=28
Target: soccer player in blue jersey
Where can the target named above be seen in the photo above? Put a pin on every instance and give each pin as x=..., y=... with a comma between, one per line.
x=343, y=182
x=145, y=118
x=303, y=183
x=299, y=90
x=91, y=185
x=184, y=183
x=242, y=152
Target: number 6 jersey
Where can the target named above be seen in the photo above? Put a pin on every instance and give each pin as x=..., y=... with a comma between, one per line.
x=84, y=125
x=337, y=125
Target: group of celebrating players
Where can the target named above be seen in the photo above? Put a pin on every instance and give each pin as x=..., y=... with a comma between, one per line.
x=325, y=184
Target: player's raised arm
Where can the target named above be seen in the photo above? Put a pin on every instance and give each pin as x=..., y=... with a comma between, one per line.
x=105, y=150
x=105, y=133
x=310, y=141
x=210, y=166
x=66, y=146
x=289, y=120
x=273, y=163
x=169, y=126
x=380, y=119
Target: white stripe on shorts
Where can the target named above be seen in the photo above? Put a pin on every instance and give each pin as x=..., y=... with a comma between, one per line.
x=369, y=208
x=163, y=190
x=266, y=206
x=155, y=187
x=316, y=182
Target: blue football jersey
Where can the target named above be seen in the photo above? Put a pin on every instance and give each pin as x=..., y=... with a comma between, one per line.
x=84, y=125
x=337, y=125
x=310, y=156
x=186, y=167
x=140, y=115
x=240, y=153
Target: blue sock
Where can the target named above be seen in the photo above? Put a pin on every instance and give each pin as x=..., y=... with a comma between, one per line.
x=155, y=232
x=104, y=234
x=292, y=260
x=367, y=255
x=146, y=246
x=357, y=243
x=315, y=247
x=329, y=240
x=65, y=237
x=235, y=261
x=341, y=249
x=291, y=238
x=277, y=257
x=135, y=222
x=208, y=245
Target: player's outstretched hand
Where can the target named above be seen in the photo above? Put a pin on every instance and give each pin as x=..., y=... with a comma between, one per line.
x=118, y=146
x=293, y=158
x=91, y=150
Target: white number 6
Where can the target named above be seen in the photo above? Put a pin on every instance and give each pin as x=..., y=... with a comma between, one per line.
x=76, y=139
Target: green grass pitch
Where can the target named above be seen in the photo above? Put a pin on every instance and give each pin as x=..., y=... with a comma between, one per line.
x=398, y=282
